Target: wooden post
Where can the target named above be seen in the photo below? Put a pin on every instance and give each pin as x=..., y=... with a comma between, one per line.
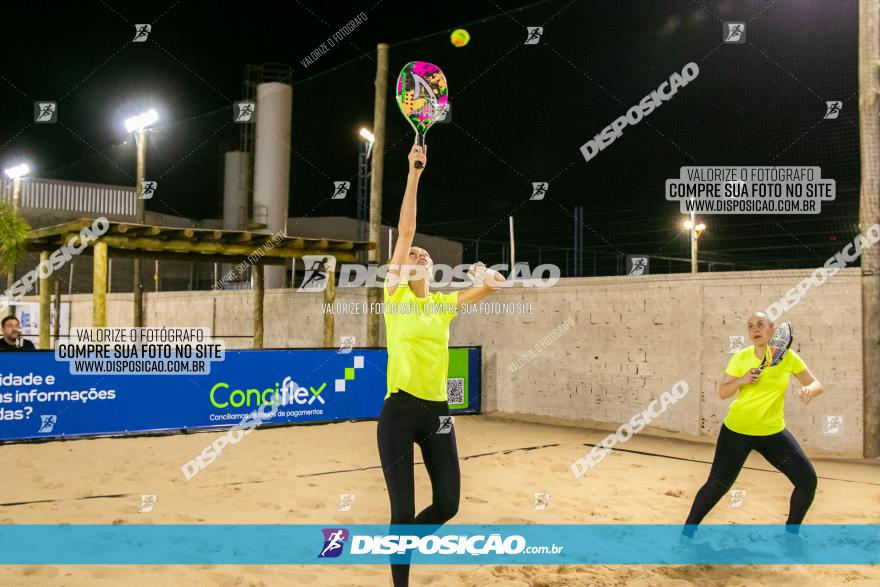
x=259, y=291
x=374, y=295
x=99, y=286
x=137, y=293
x=869, y=212
x=56, y=327
x=330, y=298
x=44, y=302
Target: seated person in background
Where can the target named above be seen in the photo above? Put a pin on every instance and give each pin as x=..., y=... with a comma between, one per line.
x=12, y=340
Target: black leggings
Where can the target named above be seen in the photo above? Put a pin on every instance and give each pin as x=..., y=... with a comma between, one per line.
x=406, y=420
x=781, y=450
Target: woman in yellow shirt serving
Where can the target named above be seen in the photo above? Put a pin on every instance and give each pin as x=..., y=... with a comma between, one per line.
x=755, y=421
x=416, y=408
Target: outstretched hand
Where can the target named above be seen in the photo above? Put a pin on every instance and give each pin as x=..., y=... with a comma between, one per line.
x=418, y=153
x=482, y=275
x=477, y=272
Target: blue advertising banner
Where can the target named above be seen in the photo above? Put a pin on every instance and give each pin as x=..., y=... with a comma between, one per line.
x=40, y=398
x=475, y=544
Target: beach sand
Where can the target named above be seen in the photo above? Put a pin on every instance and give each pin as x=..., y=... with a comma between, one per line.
x=295, y=475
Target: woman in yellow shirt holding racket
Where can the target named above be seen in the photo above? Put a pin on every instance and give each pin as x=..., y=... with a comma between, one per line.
x=416, y=409
x=755, y=421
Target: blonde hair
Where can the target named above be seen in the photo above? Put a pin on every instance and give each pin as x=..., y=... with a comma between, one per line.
x=762, y=314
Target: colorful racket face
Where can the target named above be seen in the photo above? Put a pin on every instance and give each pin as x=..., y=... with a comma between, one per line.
x=422, y=96
x=780, y=342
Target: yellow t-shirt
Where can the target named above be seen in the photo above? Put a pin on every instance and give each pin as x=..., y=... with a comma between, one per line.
x=417, y=333
x=758, y=407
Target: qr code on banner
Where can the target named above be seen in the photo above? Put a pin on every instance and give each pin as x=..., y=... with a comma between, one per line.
x=455, y=390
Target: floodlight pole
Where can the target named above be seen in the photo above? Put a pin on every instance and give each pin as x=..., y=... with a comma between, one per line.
x=137, y=285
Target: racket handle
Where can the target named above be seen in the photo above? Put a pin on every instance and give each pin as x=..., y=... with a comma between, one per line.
x=420, y=141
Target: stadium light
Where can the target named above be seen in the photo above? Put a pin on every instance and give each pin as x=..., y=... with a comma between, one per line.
x=17, y=171
x=369, y=138
x=142, y=120
x=696, y=230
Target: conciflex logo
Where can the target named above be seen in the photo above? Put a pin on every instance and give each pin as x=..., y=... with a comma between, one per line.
x=288, y=393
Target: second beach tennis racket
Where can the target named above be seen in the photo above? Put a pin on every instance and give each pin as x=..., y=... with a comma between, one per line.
x=780, y=342
x=422, y=96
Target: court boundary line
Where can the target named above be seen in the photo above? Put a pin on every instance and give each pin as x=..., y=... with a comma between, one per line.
x=652, y=454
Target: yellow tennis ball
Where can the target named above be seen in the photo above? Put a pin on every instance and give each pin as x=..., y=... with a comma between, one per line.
x=460, y=37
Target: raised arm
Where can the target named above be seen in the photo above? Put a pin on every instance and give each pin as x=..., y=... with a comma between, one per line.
x=406, y=225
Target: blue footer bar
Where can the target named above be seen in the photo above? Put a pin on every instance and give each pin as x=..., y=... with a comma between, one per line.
x=521, y=544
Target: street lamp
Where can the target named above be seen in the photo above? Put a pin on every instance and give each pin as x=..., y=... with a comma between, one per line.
x=363, y=178
x=138, y=125
x=696, y=230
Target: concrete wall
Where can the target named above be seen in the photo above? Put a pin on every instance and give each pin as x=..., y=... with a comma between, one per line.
x=636, y=336
x=632, y=339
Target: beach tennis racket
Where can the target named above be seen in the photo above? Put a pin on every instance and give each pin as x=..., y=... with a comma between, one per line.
x=780, y=342
x=422, y=96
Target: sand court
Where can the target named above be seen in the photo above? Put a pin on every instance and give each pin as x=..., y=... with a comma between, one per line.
x=296, y=475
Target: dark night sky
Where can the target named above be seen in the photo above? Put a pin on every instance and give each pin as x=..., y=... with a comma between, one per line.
x=520, y=113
